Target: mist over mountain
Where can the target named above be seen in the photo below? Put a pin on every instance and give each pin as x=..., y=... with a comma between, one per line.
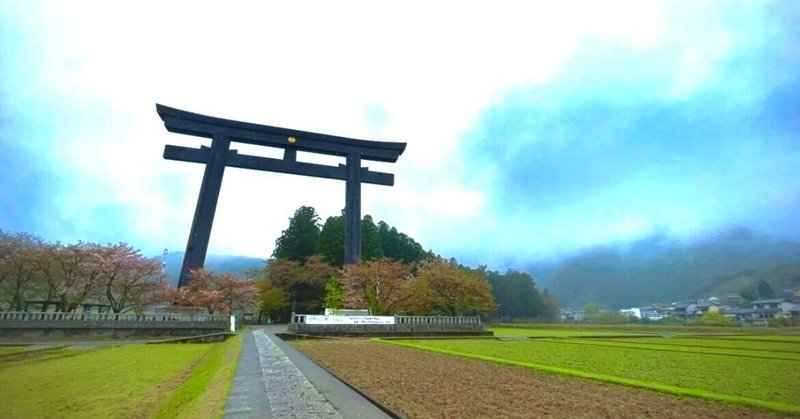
x=237, y=265
x=663, y=269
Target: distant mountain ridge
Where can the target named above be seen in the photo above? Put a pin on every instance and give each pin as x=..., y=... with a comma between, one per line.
x=237, y=265
x=662, y=269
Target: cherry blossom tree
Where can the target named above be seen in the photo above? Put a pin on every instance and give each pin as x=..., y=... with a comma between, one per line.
x=19, y=276
x=71, y=272
x=445, y=288
x=304, y=283
x=382, y=286
x=222, y=293
x=126, y=275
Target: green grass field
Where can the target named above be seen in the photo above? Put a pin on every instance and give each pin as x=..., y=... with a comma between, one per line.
x=168, y=380
x=520, y=332
x=760, y=372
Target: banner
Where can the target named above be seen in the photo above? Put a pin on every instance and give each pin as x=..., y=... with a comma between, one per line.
x=320, y=319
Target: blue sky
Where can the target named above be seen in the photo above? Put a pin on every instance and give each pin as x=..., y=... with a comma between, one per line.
x=533, y=130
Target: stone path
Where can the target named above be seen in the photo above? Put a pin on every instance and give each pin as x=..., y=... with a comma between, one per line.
x=289, y=392
x=274, y=380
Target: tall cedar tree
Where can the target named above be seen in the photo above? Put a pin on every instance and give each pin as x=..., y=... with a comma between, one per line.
x=516, y=295
x=399, y=246
x=331, y=241
x=377, y=241
x=299, y=240
x=371, y=248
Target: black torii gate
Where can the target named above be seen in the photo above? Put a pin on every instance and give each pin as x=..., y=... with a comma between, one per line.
x=223, y=131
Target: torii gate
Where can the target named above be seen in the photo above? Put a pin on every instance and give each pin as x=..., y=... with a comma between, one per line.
x=223, y=131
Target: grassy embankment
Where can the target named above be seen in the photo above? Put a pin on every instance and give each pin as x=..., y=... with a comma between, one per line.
x=168, y=380
x=739, y=370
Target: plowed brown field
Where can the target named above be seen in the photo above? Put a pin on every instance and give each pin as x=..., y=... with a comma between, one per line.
x=422, y=384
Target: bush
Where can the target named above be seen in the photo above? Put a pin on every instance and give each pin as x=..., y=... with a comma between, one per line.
x=711, y=319
x=780, y=321
x=607, y=317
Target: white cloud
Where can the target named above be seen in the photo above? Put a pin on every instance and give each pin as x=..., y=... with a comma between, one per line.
x=430, y=69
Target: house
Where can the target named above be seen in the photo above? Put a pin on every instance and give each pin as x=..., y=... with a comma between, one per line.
x=767, y=308
x=631, y=312
x=572, y=315
x=651, y=313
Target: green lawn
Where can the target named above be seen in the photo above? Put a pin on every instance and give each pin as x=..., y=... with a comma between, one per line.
x=123, y=381
x=728, y=374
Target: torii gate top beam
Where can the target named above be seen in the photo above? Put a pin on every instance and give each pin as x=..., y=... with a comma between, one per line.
x=183, y=122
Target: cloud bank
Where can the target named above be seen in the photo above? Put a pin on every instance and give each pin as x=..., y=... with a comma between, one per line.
x=532, y=130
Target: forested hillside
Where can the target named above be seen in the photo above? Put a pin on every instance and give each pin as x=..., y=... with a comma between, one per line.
x=662, y=269
x=237, y=265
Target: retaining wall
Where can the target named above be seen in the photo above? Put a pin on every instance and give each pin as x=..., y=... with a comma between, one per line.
x=403, y=326
x=24, y=326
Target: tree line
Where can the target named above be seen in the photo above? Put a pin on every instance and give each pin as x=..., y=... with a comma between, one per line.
x=112, y=277
x=306, y=274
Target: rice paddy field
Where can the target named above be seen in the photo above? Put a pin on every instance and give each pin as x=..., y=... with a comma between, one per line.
x=128, y=381
x=761, y=371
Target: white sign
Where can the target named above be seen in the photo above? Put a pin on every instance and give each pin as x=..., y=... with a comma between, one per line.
x=320, y=319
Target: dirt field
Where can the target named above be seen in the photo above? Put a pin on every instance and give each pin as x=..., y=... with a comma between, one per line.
x=427, y=385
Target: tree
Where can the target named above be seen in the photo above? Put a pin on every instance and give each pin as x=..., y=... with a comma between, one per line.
x=299, y=240
x=272, y=299
x=550, y=307
x=71, y=272
x=390, y=241
x=445, y=288
x=303, y=283
x=223, y=293
x=19, y=277
x=399, y=246
x=331, y=241
x=711, y=319
x=127, y=275
x=590, y=309
x=765, y=290
x=383, y=286
x=334, y=294
x=237, y=293
x=760, y=290
x=516, y=295
x=371, y=247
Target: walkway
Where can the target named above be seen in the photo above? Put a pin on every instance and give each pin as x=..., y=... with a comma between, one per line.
x=274, y=380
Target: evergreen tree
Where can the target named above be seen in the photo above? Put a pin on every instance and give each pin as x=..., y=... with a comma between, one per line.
x=331, y=241
x=517, y=295
x=371, y=247
x=765, y=290
x=299, y=240
x=390, y=241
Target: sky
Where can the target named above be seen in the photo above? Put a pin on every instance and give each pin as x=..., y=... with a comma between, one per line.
x=534, y=129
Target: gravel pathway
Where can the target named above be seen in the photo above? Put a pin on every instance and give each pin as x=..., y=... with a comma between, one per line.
x=289, y=392
x=275, y=380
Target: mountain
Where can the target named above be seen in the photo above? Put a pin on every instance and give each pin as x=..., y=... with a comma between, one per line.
x=237, y=265
x=663, y=269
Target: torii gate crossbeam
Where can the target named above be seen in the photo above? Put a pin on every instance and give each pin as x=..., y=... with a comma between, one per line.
x=223, y=131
